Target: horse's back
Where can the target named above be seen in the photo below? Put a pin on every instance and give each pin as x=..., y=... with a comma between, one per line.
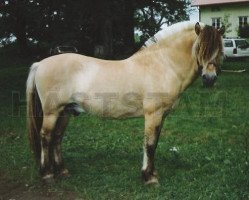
x=71, y=78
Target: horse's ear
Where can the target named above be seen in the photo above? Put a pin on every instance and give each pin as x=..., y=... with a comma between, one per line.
x=222, y=30
x=197, y=28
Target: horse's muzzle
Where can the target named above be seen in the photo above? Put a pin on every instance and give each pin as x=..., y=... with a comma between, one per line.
x=208, y=81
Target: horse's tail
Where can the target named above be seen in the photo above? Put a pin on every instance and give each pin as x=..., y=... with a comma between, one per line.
x=34, y=113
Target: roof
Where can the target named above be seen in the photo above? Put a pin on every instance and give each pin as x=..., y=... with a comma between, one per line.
x=212, y=2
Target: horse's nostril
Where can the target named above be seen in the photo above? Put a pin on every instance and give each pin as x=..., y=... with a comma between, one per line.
x=208, y=80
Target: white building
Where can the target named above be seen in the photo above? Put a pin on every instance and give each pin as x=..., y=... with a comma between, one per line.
x=233, y=13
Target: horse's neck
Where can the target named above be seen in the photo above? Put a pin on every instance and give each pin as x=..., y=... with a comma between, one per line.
x=186, y=63
x=174, y=53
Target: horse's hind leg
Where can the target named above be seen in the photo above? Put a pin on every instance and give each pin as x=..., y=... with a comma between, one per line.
x=48, y=125
x=61, y=125
x=153, y=125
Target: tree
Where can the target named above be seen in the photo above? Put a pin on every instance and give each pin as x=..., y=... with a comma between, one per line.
x=13, y=21
x=225, y=22
x=151, y=15
x=87, y=24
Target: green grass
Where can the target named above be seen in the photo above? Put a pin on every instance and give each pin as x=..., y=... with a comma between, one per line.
x=209, y=127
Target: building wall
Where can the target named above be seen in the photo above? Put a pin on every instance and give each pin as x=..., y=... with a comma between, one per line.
x=233, y=10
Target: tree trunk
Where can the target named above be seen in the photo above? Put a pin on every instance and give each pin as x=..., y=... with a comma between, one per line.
x=104, y=30
x=129, y=39
x=21, y=38
x=20, y=29
x=108, y=38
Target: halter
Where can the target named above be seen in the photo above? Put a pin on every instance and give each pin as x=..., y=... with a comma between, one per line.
x=218, y=69
x=199, y=67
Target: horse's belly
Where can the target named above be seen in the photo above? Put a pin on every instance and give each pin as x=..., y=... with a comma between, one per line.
x=113, y=107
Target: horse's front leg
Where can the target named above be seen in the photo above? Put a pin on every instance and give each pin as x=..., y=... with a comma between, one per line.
x=153, y=125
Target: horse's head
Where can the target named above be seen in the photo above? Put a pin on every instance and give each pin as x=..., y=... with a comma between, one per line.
x=208, y=51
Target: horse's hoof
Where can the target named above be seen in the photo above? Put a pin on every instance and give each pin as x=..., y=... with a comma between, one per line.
x=48, y=179
x=150, y=178
x=152, y=181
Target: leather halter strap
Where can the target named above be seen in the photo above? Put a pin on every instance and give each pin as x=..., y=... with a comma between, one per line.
x=218, y=69
x=199, y=67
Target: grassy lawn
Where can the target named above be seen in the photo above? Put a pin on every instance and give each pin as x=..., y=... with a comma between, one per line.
x=209, y=129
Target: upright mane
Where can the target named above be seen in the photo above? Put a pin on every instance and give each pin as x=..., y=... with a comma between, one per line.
x=169, y=31
x=207, y=48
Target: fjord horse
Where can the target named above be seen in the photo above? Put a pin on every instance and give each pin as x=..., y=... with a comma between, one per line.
x=146, y=84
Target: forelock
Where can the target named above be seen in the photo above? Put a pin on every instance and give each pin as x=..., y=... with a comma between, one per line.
x=209, y=44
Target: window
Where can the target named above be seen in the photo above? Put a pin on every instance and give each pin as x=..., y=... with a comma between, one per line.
x=228, y=43
x=241, y=43
x=216, y=22
x=243, y=21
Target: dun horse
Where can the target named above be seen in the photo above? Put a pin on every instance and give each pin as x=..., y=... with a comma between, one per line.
x=146, y=84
